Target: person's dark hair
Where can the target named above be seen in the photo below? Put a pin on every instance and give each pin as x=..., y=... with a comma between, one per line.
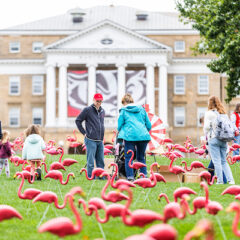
x=215, y=103
x=127, y=99
x=237, y=108
x=201, y=120
x=32, y=129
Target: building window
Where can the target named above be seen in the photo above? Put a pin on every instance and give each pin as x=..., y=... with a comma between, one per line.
x=14, y=117
x=179, y=46
x=203, y=84
x=14, y=85
x=200, y=113
x=179, y=116
x=179, y=85
x=37, y=47
x=14, y=47
x=37, y=116
x=37, y=85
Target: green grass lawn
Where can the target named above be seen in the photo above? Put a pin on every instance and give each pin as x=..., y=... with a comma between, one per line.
x=38, y=213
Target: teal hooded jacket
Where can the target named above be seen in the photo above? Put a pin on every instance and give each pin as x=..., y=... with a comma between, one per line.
x=134, y=124
x=32, y=148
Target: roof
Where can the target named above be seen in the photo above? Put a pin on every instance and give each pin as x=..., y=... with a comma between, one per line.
x=125, y=16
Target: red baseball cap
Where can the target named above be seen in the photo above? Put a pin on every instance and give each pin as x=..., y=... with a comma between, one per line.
x=98, y=96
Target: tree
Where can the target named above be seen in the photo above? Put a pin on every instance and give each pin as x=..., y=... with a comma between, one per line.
x=218, y=22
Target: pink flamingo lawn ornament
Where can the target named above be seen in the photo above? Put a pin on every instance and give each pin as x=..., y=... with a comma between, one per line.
x=72, y=139
x=204, y=226
x=235, y=207
x=94, y=204
x=232, y=190
x=178, y=193
x=66, y=161
x=8, y=212
x=107, y=151
x=29, y=193
x=234, y=159
x=135, y=165
x=57, y=175
x=194, y=164
x=146, y=182
x=139, y=237
x=14, y=159
x=109, y=146
x=51, y=197
x=158, y=176
x=97, y=172
x=161, y=231
x=63, y=226
x=111, y=196
x=112, y=210
x=120, y=181
x=54, y=166
x=139, y=217
x=212, y=207
x=27, y=168
x=207, y=176
x=114, y=136
x=198, y=203
x=50, y=144
x=175, y=210
x=167, y=140
x=175, y=169
x=27, y=175
x=199, y=151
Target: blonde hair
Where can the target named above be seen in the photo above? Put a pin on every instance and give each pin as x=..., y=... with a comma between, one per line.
x=5, y=136
x=215, y=103
x=32, y=129
x=127, y=98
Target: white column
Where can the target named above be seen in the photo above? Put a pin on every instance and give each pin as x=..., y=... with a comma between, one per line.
x=163, y=93
x=121, y=84
x=51, y=96
x=91, y=81
x=62, y=95
x=150, y=86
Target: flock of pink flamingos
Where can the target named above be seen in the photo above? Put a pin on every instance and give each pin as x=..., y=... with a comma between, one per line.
x=63, y=226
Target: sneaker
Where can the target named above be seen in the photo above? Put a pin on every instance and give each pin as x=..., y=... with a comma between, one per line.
x=131, y=180
x=231, y=182
x=39, y=176
x=219, y=183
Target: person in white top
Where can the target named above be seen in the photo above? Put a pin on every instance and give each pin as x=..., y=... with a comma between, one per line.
x=217, y=148
x=235, y=118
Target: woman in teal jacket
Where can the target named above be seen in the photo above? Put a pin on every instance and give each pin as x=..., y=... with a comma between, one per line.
x=133, y=127
x=32, y=149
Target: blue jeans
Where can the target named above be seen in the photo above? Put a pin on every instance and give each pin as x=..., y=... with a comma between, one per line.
x=218, y=151
x=140, y=150
x=212, y=172
x=95, y=150
x=236, y=140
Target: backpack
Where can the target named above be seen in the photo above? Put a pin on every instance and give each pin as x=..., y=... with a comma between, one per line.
x=225, y=129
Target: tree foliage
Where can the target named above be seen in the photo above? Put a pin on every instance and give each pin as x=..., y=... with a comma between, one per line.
x=218, y=22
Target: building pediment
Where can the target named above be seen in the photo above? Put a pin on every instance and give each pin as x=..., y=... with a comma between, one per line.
x=106, y=35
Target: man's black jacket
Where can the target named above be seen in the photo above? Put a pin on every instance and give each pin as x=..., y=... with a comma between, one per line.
x=94, y=122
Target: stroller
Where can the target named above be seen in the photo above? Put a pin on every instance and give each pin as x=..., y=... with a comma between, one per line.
x=119, y=159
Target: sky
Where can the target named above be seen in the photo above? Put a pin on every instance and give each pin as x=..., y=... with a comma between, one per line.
x=15, y=12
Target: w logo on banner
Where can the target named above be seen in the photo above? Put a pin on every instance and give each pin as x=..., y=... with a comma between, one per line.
x=106, y=84
x=77, y=92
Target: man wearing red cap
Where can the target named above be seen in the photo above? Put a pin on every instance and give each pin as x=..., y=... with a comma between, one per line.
x=93, y=132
